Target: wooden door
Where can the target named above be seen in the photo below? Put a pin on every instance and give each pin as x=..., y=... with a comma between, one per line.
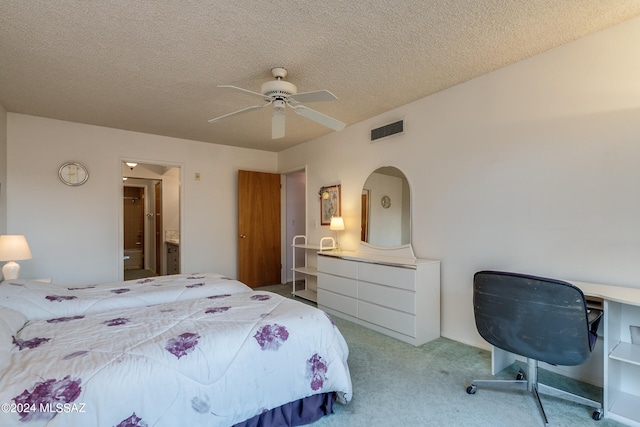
x=259, y=228
x=364, y=216
x=159, y=243
x=133, y=223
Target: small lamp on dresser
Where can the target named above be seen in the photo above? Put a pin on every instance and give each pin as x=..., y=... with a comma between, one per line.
x=13, y=247
x=336, y=224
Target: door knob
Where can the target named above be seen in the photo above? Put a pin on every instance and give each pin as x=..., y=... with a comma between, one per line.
x=242, y=236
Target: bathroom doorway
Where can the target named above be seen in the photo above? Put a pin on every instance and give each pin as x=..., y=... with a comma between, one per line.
x=134, y=218
x=150, y=220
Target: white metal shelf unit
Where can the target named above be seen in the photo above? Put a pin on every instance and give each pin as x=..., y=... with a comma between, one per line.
x=308, y=272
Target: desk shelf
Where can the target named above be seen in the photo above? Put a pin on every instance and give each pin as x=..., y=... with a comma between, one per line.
x=626, y=352
x=625, y=409
x=622, y=366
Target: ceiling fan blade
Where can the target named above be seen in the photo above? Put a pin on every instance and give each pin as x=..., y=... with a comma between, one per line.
x=315, y=96
x=235, y=113
x=277, y=124
x=318, y=117
x=250, y=92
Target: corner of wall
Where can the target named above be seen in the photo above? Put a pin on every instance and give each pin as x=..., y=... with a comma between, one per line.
x=3, y=170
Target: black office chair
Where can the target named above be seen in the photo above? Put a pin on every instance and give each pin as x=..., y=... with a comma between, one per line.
x=541, y=319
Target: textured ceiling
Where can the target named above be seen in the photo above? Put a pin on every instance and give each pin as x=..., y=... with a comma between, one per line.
x=154, y=66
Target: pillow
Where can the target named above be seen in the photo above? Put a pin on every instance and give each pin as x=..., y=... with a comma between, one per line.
x=11, y=322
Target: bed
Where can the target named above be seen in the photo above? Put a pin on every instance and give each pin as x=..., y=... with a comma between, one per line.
x=41, y=300
x=243, y=358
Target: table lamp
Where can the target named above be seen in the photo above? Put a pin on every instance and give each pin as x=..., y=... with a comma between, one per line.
x=13, y=247
x=336, y=224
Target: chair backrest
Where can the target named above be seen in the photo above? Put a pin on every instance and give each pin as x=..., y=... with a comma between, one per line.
x=535, y=317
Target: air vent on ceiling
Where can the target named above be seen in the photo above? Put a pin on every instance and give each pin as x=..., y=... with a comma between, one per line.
x=385, y=131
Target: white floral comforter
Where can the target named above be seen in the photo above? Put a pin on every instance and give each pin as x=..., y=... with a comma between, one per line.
x=203, y=362
x=38, y=300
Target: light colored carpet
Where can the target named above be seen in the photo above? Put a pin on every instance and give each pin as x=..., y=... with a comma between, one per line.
x=397, y=384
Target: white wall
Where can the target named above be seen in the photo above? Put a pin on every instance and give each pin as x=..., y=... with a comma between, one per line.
x=3, y=170
x=171, y=200
x=532, y=168
x=74, y=232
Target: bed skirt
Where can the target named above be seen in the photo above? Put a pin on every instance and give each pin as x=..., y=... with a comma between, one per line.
x=297, y=413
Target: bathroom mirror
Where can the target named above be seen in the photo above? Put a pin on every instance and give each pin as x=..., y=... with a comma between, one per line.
x=386, y=208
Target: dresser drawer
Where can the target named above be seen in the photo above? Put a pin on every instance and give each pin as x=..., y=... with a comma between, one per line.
x=395, y=298
x=337, y=267
x=338, y=302
x=387, y=318
x=338, y=285
x=397, y=277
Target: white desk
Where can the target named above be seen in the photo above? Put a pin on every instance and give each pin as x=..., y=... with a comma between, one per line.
x=621, y=382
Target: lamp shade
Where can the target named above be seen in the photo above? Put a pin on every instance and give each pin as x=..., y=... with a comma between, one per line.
x=336, y=224
x=14, y=247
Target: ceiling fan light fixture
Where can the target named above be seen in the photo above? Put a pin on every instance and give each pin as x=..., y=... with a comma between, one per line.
x=278, y=120
x=281, y=93
x=279, y=106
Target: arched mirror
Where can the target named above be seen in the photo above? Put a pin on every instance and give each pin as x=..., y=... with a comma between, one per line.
x=386, y=208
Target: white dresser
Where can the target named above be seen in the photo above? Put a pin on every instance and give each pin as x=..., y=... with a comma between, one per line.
x=396, y=296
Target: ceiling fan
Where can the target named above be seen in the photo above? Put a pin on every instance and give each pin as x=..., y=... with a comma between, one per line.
x=280, y=94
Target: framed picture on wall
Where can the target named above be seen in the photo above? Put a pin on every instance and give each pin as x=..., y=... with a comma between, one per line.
x=329, y=203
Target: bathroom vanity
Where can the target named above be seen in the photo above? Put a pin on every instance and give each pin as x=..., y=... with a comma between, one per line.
x=173, y=257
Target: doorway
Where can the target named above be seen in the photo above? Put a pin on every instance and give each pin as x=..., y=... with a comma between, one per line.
x=133, y=225
x=259, y=232
x=267, y=224
x=150, y=219
x=295, y=214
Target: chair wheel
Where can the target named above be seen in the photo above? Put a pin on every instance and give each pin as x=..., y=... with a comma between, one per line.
x=472, y=389
x=597, y=414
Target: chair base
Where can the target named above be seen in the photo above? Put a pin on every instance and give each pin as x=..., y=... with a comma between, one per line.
x=530, y=383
